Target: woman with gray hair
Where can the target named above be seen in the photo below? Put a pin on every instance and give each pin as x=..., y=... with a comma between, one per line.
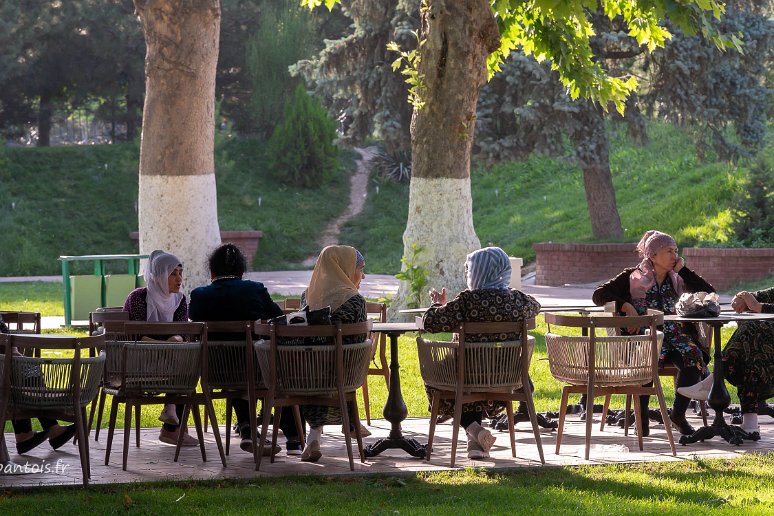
x=488, y=298
x=162, y=301
x=657, y=283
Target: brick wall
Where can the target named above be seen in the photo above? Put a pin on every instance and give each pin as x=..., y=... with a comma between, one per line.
x=559, y=264
x=247, y=241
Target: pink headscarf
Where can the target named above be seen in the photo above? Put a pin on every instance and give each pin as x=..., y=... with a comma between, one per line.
x=643, y=277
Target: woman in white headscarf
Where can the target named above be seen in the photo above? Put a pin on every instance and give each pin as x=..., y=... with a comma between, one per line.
x=487, y=299
x=162, y=301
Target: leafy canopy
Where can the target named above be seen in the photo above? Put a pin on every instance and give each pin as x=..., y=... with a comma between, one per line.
x=560, y=31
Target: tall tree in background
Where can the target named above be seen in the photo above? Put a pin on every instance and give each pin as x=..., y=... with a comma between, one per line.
x=457, y=37
x=177, y=192
x=354, y=76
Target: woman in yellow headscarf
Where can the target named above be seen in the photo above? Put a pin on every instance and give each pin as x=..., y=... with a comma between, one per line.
x=335, y=282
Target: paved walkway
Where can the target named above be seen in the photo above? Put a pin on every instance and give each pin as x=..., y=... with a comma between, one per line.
x=152, y=462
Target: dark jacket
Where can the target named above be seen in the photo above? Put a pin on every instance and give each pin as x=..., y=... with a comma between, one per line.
x=617, y=289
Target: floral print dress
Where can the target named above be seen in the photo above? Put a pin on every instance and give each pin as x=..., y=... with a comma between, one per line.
x=749, y=357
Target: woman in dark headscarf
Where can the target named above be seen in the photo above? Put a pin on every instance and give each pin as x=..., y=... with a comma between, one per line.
x=657, y=283
x=487, y=299
x=162, y=301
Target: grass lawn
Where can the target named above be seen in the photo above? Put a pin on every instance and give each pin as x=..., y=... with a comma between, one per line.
x=690, y=487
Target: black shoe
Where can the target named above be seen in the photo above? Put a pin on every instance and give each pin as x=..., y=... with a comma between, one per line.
x=33, y=442
x=59, y=441
x=519, y=417
x=682, y=425
x=655, y=416
x=764, y=409
x=442, y=419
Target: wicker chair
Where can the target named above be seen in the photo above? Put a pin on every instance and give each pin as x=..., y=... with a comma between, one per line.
x=377, y=312
x=314, y=375
x=59, y=388
x=477, y=371
x=605, y=365
x=97, y=321
x=158, y=372
x=705, y=339
x=22, y=323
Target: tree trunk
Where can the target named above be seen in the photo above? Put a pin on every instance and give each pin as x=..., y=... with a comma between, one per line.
x=459, y=35
x=44, y=120
x=592, y=150
x=177, y=196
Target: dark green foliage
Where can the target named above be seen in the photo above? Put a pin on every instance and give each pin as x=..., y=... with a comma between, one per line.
x=393, y=165
x=285, y=34
x=301, y=150
x=754, y=217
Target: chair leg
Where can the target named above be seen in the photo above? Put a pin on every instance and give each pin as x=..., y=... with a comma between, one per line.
x=137, y=425
x=228, y=423
x=276, y=421
x=182, y=430
x=605, y=408
x=83, y=443
x=100, y=410
x=366, y=401
x=511, y=430
x=86, y=435
x=533, y=418
x=455, y=429
x=345, y=420
x=639, y=421
x=252, y=421
x=589, y=417
x=92, y=410
x=197, y=415
x=299, y=425
x=209, y=408
x=562, y=416
x=204, y=423
x=355, y=418
x=435, y=406
x=703, y=408
x=111, y=428
x=127, y=430
x=268, y=405
x=627, y=421
x=665, y=416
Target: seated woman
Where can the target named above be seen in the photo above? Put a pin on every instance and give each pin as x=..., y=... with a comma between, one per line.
x=335, y=282
x=231, y=298
x=487, y=299
x=748, y=359
x=657, y=283
x=26, y=439
x=162, y=301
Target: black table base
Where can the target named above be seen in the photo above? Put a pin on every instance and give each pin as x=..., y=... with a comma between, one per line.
x=729, y=433
x=410, y=446
x=395, y=411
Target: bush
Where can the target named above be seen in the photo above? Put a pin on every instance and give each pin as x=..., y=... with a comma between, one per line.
x=301, y=150
x=754, y=218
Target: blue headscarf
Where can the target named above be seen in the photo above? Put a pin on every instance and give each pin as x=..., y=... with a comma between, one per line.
x=488, y=268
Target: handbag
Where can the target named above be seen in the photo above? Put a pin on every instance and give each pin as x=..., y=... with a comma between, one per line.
x=305, y=317
x=698, y=304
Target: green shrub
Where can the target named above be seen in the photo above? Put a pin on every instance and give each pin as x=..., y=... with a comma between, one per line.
x=754, y=218
x=301, y=150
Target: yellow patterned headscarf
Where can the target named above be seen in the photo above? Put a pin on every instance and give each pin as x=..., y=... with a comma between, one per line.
x=334, y=277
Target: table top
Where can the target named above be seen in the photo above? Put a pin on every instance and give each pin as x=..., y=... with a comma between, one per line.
x=723, y=318
x=546, y=308
x=396, y=327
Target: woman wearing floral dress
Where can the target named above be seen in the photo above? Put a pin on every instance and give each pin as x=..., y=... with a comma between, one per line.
x=488, y=298
x=657, y=283
x=748, y=358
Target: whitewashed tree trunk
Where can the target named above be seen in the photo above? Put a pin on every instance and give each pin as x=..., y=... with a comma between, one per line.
x=177, y=197
x=458, y=36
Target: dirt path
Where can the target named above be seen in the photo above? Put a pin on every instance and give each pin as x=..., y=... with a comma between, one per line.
x=358, y=191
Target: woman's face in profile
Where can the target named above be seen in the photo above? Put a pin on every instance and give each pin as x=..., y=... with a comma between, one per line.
x=176, y=280
x=666, y=258
x=359, y=275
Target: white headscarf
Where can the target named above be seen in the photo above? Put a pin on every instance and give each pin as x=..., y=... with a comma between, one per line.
x=161, y=303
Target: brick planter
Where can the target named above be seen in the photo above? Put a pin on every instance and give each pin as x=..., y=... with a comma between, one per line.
x=560, y=264
x=246, y=240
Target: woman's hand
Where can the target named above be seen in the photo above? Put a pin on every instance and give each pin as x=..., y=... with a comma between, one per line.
x=679, y=264
x=175, y=338
x=745, y=301
x=629, y=311
x=438, y=297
